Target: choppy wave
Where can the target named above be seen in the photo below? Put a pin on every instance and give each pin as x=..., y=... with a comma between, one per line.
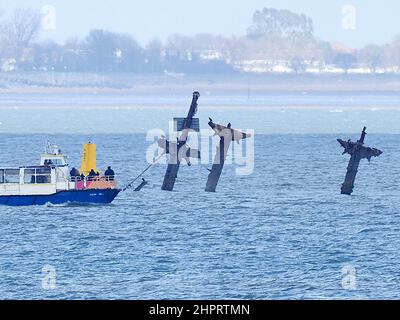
x=284, y=232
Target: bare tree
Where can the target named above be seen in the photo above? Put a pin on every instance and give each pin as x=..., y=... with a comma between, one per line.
x=280, y=24
x=371, y=55
x=109, y=51
x=2, y=41
x=18, y=32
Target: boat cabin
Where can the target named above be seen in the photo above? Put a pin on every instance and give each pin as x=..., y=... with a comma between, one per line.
x=28, y=180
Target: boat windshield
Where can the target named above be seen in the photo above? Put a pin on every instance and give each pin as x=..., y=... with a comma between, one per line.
x=55, y=161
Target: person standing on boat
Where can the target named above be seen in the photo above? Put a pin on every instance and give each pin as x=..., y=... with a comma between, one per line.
x=109, y=174
x=91, y=175
x=74, y=173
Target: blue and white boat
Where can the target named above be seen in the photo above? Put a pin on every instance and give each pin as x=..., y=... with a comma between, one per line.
x=51, y=183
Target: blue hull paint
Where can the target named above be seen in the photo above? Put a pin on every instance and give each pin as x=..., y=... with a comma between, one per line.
x=99, y=196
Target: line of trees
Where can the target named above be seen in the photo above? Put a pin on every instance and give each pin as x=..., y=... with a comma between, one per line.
x=105, y=51
x=99, y=51
x=274, y=35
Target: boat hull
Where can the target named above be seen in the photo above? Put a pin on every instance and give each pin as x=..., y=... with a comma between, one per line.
x=94, y=196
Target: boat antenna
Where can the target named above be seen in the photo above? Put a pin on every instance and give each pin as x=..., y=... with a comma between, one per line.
x=44, y=145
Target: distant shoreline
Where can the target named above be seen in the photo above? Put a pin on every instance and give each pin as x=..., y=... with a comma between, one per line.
x=237, y=83
x=126, y=91
x=204, y=106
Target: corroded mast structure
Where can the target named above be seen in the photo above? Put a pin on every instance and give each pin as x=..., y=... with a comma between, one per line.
x=226, y=135
x=357, y=151
x=179, y=149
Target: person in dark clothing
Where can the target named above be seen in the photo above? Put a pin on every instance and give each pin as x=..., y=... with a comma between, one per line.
x=74, y=173
x=91, y=175
x=109, y=174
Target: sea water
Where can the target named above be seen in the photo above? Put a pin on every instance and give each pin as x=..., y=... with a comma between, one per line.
x=282, y=232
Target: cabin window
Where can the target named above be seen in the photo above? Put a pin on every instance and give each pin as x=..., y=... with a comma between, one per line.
x=29, y=176
x=11, y=176
x=43, y=175
x=37, y=176
x=1, y=175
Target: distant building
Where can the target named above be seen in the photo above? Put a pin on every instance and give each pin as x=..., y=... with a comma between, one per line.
x=263, y=66
x=212, y=55
x=253, y=66
x=332, y=69
x=8, y=65
x=360, y=70
x=281, y=68
x=393, y=69
x=313, y=69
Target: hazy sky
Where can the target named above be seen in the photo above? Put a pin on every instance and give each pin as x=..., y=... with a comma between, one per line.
x=376, y=21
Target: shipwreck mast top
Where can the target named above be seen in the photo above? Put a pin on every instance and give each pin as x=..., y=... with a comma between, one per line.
x=189, y=119
x=363, y=134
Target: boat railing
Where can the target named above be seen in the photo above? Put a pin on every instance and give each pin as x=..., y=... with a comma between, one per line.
x=94, y=182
